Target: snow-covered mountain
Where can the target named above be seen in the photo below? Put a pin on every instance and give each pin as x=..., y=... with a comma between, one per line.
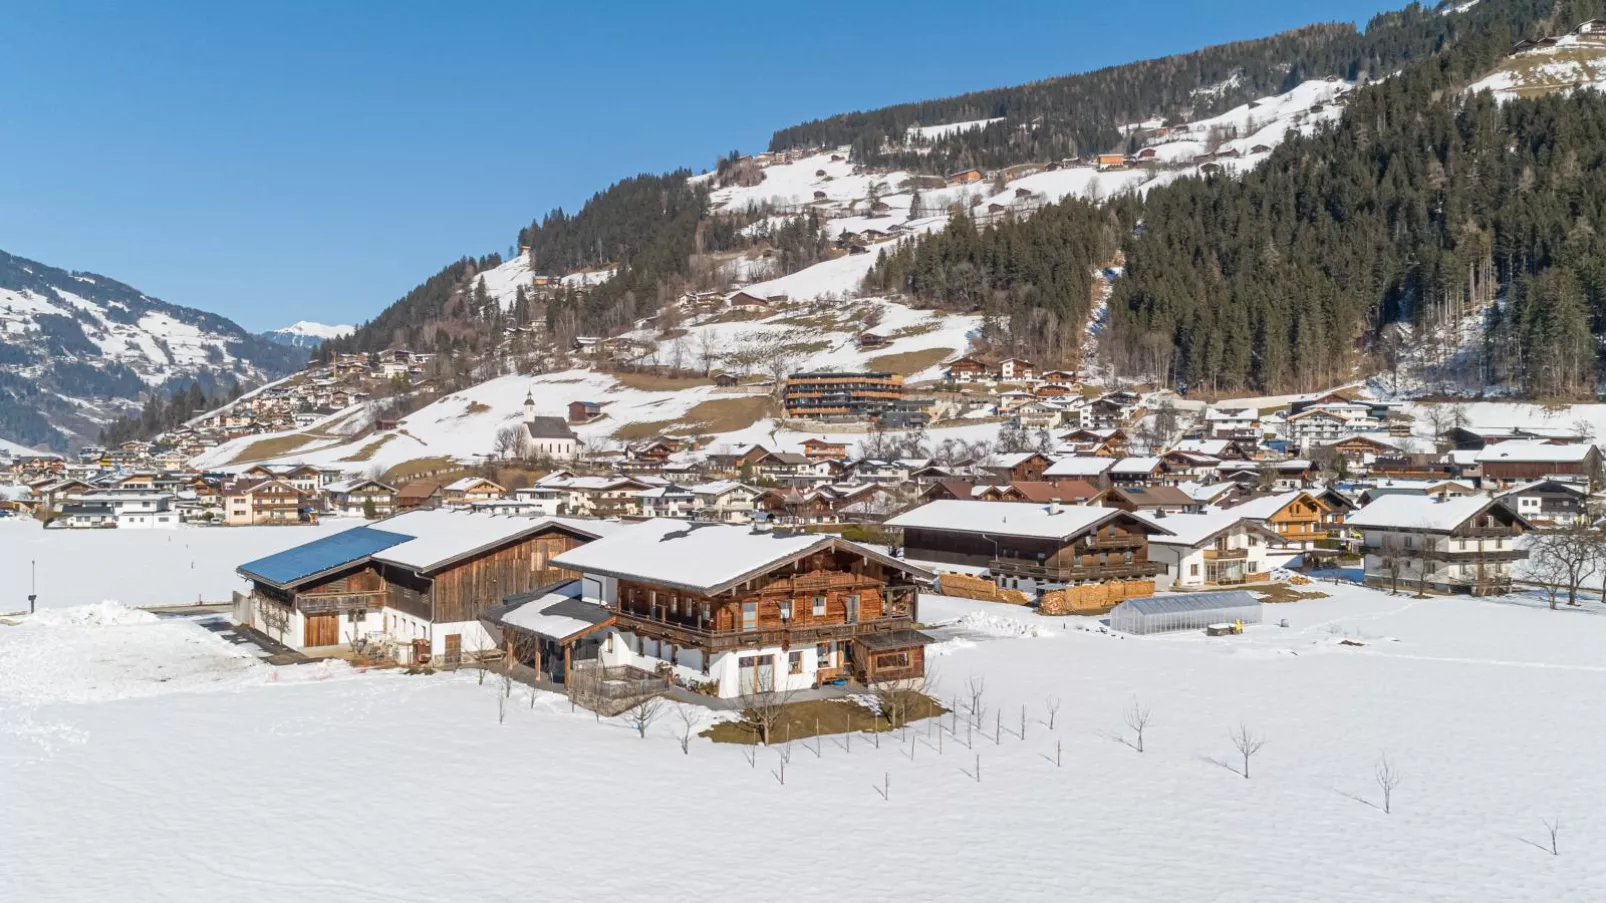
x=307, y=334
x=79, y=349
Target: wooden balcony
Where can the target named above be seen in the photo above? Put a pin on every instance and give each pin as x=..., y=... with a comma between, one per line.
x=1225, y=554
x=1015, y=567
x=1118, y=541
x=683, y=634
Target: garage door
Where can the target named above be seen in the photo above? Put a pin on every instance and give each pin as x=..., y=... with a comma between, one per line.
x=323, y=629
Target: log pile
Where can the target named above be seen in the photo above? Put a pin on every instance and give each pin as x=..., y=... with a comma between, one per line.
x=966, y=587
x=1094, y=598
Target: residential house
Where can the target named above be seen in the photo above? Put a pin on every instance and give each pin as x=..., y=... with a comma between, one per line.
x=1465, y=544
x=967, y=370
x=1015, y=369
x=1136, y=471
x=419, y=494
x=1233, y=424
x=419, y=581
x=1524, y=460
x=821, y=449
x=1299, y=517
x=360, y=498
x=745, y=299
x=725, y=501
x=965, y=177
x=464, y=492
x=1161, y=501
x=740, y=612
x=1208, y=551
x=1089, y=469
x=1030, y=466
x=1050, y=544
x=1556, y=502
x=267, y=501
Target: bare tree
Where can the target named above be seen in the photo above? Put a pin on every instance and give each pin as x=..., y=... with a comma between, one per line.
x=977, y=685
x=764, y=708
x=707, y=350
x=1247, y=744
x=1546, y=567
x=689, y=719
x=1388, y=776
x=511, y=442
x=1394, y=557
x=1137, y=718
x=642, y=715
x=779, y=359
x=1553, y=826
x=1053, y=705
x=1574, y=553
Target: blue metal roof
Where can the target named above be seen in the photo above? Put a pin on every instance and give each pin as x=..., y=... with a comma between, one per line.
x=303, y=561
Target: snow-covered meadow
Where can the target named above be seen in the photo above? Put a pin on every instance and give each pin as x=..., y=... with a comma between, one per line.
x=211, y=776
x=136, y=567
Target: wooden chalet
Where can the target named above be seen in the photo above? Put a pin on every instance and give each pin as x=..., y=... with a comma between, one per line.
x=1019, y=466
x=1053, y=543
x=420, y=580
x=821, y=449
x=1465, y=544
x=1299, y=517
x=419, y=494
x=737, y=612
x=967, y=369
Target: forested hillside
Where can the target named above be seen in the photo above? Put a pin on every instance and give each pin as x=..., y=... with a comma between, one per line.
x=1083, y=114
x=1416, y=212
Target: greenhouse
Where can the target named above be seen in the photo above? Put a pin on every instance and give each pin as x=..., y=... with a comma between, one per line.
x=1184, y=611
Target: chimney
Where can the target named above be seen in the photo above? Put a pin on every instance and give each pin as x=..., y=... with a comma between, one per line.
x=1053, y=506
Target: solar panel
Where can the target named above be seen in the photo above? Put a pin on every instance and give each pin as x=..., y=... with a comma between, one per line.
x=320, y=555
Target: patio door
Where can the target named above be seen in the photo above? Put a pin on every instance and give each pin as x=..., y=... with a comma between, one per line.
x=757, y=674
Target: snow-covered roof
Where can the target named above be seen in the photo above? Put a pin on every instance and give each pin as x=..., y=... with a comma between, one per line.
x=1079, y=466
x=1532, y=452
x=1419, y=512
x=466, y=483
x=1212, y=447
x=1135, y=465
x=705, y=558
x=1265, y=506
x=1023, y=519
x=559, y=612
x=1195, y=529
x=1013, y=459
x=440, y=536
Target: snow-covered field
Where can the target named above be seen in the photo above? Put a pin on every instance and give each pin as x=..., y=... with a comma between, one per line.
x=151, y=761
x=136, y=567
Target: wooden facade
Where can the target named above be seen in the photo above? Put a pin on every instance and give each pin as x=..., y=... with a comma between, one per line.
x=456, y=591
x=1117, y=549
x=832, y=596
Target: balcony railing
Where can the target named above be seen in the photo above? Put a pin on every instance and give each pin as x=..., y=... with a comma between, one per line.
x=1225, y=554
x=682, y=634
x=1118, y=541
x=1016, y=567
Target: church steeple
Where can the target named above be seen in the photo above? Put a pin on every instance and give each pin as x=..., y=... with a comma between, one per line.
x=529, y=406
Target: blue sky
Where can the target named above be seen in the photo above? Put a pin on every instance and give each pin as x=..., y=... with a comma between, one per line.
x=298, y=160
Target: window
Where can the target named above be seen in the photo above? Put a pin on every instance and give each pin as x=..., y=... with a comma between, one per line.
x=1193, y=570
x=1253, y=567
x=786, y=611
x=819, y=606
x=794, y=662
x=822, y=655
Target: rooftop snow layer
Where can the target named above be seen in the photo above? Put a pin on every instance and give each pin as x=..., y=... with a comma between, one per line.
x=705, y=558
x=1418, y=512
x=1023, y=519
